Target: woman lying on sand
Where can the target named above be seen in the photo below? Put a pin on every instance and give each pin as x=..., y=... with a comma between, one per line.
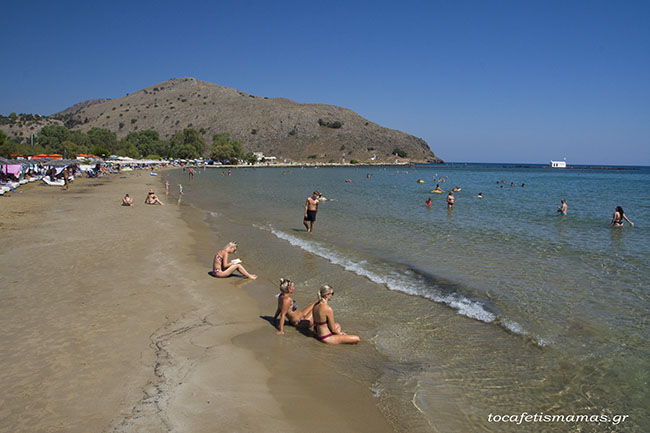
x=287, y=308
x=325, y=328
x=223, y=268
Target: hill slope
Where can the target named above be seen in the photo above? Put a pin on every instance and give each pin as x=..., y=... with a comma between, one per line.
x=276, y=126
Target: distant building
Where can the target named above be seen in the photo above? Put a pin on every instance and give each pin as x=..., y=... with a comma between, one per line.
x=558, y=164
x=268, y=159
x=260, y=156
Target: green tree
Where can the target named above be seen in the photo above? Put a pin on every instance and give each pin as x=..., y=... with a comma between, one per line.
x=225, y=149
x=147, y=141
x=103, y=139
x=51, y=137
x=102, y=152
x=69, y=149
x=250, y=158
x=126, y=148
x=187, y=137
x=184, y=151
x=81, y=139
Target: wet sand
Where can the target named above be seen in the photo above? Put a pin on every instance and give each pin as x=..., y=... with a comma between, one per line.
x=110, y=323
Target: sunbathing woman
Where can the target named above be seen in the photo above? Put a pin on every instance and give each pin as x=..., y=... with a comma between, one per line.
x=325, y=328
x=152, y=198
x=287, y=308
x=223, y=268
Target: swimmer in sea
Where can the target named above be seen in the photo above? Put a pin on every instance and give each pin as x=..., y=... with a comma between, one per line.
x=287, y=309
x=619, y=217
x=480, y=195
x=450, y=200
x=562, y=209
x=428, y=202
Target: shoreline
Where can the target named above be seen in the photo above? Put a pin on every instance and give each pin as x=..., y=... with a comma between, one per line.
x=121, y=328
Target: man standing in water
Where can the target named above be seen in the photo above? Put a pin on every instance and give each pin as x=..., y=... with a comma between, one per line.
x=311, y=209
x=562, y=209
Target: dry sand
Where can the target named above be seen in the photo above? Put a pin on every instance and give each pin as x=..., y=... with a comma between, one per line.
x=109, y=323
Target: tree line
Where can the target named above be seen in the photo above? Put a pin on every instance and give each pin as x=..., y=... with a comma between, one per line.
x=185, y=144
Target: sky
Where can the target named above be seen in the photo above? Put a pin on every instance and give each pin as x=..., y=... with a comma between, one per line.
x=480, y=81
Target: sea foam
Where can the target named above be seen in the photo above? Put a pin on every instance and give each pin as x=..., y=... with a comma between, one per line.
x=406, y=282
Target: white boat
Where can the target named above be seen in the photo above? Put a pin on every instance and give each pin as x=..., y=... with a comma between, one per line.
x=558, y=164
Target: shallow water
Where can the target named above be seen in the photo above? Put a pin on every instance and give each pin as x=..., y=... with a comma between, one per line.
x=497, y=306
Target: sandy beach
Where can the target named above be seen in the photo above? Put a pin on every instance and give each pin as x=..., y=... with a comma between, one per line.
x=110, y=323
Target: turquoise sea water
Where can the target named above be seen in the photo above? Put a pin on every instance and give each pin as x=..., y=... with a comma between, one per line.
x=499, y=305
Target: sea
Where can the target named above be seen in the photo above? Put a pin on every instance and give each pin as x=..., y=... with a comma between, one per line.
x=498, y=314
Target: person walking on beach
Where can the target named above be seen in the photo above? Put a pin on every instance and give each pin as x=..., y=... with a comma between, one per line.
x=287, y=309
x=326, y=329
x=66, y=185
x=619, y=217
x=311, y=209
x=450, y=200
x=562, y=208
x=223, y=268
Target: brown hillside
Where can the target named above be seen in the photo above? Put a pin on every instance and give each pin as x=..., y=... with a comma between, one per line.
x=276, y=126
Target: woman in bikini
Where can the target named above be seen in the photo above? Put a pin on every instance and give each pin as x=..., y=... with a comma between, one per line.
x=325, y=328
x=287, y=308
x=152, y=198
x=619, y=217
x=223, y=268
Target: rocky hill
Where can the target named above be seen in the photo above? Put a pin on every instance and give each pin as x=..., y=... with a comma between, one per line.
x=275, y=126
x=80, y=106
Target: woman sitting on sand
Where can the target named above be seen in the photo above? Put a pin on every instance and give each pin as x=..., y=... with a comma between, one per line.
x=619, y=216
x=287, y=308
x=127, y=200
x=152, y=198
x=223, y=268
x=325, y=328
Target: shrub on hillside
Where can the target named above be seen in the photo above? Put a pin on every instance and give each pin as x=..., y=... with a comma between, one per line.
x=335, y=125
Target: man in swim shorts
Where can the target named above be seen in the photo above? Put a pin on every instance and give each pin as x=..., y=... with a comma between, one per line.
x=311, y=209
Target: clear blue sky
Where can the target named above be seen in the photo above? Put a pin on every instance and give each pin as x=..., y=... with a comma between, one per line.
x=480, y=81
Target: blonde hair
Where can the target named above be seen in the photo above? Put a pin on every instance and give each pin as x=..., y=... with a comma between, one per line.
x=231, y=244
x=324, y=290
x=285, y=283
